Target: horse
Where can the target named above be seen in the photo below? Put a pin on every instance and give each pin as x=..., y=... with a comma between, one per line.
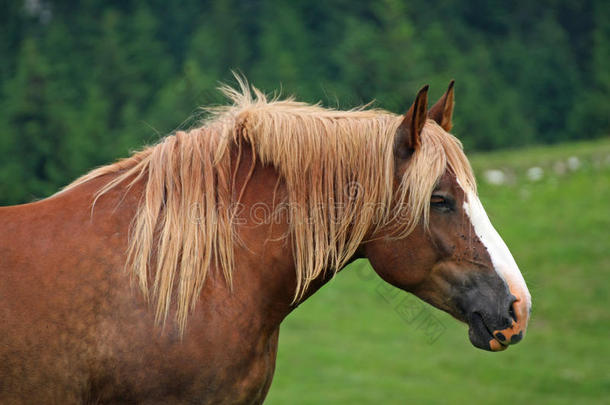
x=163, y=278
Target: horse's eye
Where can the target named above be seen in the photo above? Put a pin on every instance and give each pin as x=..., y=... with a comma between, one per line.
x=440, y=202
x=437, y=200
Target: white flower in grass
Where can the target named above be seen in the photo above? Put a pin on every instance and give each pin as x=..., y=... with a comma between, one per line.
x=495, y=176
x=535, y=173
x=573, y=163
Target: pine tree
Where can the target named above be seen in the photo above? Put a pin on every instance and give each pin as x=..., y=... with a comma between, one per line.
x=28, y=145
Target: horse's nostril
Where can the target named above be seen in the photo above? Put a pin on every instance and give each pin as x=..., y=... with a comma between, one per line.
x=516, y=338
x=511, y=311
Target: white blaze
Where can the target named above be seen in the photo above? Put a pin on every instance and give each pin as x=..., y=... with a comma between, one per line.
x=501, y=258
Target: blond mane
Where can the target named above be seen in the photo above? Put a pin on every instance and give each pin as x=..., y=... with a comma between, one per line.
x=338, y=168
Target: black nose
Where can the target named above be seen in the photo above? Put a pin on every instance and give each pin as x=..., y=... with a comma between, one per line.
x=495, y=316
x=487, y=324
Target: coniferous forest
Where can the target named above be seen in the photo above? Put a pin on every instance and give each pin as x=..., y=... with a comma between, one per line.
x=82, y=84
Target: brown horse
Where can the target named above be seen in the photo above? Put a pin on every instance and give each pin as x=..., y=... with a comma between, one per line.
x=163, y=278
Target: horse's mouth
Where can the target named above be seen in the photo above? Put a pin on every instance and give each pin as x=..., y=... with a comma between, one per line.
x=481, y=337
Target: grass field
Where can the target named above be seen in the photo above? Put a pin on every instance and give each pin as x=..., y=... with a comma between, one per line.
x=349, y=345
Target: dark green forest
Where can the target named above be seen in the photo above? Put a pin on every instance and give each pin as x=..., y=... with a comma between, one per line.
x=84, y=83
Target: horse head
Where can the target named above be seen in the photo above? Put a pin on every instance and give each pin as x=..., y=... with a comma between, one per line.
x=452, y=258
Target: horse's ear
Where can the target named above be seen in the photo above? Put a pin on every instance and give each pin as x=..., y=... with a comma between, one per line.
x=408, y=135
x=442, y=111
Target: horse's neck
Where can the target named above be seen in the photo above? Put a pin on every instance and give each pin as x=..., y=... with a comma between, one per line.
x=266, y=245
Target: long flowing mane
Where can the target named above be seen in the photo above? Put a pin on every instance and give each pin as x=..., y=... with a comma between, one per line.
x=338, y=169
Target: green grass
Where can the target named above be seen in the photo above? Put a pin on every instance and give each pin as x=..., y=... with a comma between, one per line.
x=348, y=345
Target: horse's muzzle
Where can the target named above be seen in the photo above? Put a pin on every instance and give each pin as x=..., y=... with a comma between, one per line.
x=496, y=332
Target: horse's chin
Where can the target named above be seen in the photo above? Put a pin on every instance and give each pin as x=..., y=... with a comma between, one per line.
x=481, y=337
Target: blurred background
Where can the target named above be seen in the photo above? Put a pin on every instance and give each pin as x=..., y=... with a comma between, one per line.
x=83, y=84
